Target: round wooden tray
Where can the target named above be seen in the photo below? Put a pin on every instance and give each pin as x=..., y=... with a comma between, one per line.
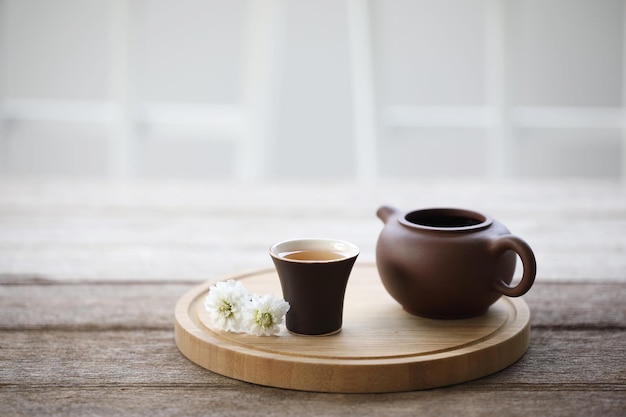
x=380, y=348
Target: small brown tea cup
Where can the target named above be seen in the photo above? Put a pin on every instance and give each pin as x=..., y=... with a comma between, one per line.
x=313, y=276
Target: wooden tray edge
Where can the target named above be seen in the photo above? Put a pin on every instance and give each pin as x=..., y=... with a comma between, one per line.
x=347, y=376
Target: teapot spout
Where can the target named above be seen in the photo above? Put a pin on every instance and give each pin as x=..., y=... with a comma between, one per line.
x=386, y=212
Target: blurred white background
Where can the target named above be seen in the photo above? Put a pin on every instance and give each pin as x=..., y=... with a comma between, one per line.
x=266, y=89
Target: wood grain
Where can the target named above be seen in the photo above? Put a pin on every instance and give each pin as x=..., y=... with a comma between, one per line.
x=101, y=357
x=104, y=306
x=90, y=272
x=559, y=359
x=102, y=230
x=564, y=372
x=381, y=348
x=220, y=400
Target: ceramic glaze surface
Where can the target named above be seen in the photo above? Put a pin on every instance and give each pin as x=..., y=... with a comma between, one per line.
x=449, y=263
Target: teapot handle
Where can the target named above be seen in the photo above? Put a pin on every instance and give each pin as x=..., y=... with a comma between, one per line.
x=516, y=244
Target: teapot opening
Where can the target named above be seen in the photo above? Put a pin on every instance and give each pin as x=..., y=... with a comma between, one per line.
x=446, y=219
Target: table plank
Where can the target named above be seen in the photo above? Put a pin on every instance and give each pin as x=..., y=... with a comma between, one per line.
x=559, y=359
x=101, y=230
x=255, y=401
x=49, y=366
x=148, y=305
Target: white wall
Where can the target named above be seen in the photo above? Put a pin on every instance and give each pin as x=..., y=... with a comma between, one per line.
x=303, y=88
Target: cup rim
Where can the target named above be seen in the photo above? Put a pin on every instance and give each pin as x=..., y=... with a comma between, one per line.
x=291, y=245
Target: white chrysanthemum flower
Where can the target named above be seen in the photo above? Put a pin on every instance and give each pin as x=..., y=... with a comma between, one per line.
x=225, y=303
x=263, y=315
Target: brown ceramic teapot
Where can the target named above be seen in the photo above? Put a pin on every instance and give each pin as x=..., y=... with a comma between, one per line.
x=449, y=263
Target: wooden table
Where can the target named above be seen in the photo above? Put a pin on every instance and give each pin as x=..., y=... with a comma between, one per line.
x=90, y=272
